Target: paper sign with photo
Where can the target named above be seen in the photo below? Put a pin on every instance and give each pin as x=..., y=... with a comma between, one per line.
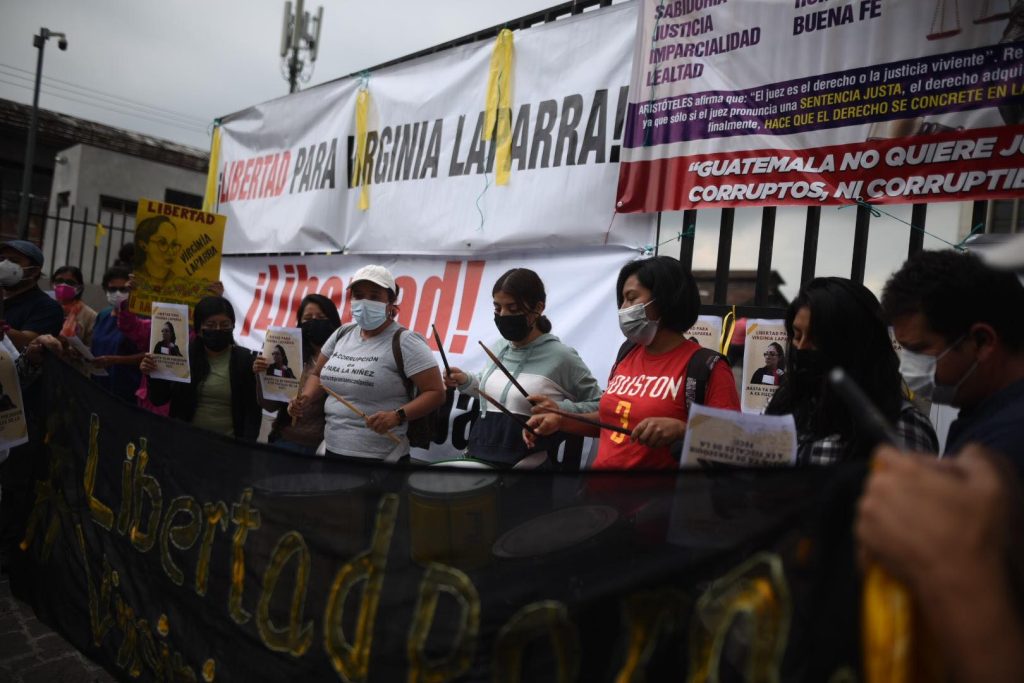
x=177, y=254
x=764, y=363
x=168, y=342
x=13, y=428
x=726, y=437
x=282, y=348
x=707, y=331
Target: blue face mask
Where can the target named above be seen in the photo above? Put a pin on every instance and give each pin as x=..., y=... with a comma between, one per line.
x=369, y=315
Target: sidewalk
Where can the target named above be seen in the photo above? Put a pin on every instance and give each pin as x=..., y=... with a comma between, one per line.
x=32, y=653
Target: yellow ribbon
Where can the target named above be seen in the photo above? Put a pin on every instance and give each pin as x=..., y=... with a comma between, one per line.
x=362, y=173
x=100, y=232
x=498, y=112
x=210, y=198
x=728, y=327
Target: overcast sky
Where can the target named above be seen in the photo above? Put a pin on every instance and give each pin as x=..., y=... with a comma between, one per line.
x=169, y=68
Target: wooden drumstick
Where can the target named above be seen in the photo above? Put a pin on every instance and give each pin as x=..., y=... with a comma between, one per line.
x=587, y=420
x=357, y=411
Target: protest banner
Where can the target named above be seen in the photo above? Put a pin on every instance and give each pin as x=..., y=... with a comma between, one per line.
x=166, y=552
x=764, y=363
x=282, y=347
x=177, y=254
x=289, y=181
x=451, y=293
x=707, y=332
x=168, y=342
x=13, y=427
x=726, y=437
x=773, y=103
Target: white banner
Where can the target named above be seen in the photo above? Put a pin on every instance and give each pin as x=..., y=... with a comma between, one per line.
x=808, y=102
x=285, y=166
x=451, y=293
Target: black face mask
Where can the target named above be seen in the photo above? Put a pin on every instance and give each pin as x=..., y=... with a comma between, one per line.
x=807, y=368
x=314, y=333
x=217, y=340
x=512, y=327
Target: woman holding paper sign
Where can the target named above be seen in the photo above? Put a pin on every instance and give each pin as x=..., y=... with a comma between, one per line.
x=318, y=319
x=834, y=322
x=649, y=390
x=221, y=395
x=541, y=363
x=79, y=318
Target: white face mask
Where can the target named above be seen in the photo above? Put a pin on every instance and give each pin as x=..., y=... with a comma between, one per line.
x=11, y=274
x=115, y=299
x=918, y=370
x=635, y=324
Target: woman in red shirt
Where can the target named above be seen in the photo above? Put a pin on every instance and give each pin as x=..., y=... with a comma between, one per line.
x=658, y=302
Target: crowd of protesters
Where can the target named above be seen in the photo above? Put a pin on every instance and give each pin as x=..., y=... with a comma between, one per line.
x=947, y=523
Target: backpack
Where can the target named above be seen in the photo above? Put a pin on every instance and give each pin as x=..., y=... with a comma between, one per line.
x=420, y=431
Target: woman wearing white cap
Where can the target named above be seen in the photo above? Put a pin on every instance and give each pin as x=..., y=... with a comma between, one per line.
x=358, y=363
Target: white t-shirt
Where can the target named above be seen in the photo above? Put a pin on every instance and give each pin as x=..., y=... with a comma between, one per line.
x=364, y=372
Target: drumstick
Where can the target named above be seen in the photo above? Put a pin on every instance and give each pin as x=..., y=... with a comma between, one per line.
x=517, y=418
x=587, y=420
x=444, y=359
x=501, y=367
x=357, y=412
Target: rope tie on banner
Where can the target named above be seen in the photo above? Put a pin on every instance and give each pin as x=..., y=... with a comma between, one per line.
x=362, y=175
x=877, y=213
x=210, y=197
x=498, y=111
x=651, y=249
x=728, y=327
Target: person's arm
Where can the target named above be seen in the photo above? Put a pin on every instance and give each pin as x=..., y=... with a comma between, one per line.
x=466, y=383
x=108, y=361
x=134, y=328
x=46, y=317
x=948, y=528
x=159, y=389
x=259, y=366
x=431, y=395
x=582, y=384
x=310, y=392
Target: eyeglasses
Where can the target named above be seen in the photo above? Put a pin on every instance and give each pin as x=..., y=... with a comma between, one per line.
x=122, y=290
x=164, y=245
x=770, y=353
x=213, y=327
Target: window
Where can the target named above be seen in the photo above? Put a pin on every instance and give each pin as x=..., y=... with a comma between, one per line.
x=1005, y=216
x=63, y=200
x=192, y=201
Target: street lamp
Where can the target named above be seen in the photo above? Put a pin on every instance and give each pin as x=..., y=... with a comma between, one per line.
x=38, y=41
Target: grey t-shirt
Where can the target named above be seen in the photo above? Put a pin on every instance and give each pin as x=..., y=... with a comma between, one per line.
x=364, y=372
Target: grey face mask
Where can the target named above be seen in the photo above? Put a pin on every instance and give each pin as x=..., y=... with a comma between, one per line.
x=11, y=274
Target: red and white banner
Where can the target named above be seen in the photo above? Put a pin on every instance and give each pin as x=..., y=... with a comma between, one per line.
x=286, y=167
x=811, y=102
x=452, y=293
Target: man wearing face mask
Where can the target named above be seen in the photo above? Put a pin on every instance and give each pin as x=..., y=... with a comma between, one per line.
x=360, y=363
x=27, y=311
x=959, y=323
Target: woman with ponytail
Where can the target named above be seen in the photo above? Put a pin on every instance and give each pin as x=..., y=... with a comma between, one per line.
x=542, y=364
x=222, y=394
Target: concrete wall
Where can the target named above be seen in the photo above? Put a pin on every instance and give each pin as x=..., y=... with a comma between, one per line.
x=88, y=173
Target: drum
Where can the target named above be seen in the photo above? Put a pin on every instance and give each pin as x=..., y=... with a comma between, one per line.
x=555, y=531
x=453, y=515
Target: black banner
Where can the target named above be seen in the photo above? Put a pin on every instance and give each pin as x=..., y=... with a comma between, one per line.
x=168, y=553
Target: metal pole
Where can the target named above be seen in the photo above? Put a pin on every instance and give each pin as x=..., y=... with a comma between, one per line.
x=39, y=42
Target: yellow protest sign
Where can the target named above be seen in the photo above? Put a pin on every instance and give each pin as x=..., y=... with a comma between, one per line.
x=177, y=254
